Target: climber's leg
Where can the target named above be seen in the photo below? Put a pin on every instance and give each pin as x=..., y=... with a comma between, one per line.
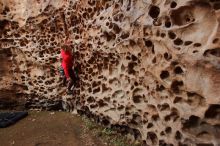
x=70, y=85
x=64, y=80
x=70, y=81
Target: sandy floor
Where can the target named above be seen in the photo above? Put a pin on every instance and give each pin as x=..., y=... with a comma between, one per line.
x=48, y=129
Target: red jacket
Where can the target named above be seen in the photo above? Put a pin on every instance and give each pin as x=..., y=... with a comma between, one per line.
x=67, y=61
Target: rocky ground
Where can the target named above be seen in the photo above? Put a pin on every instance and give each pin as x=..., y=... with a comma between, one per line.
x=49, y=129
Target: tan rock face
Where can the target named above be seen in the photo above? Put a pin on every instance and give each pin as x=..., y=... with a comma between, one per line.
x=151, y=68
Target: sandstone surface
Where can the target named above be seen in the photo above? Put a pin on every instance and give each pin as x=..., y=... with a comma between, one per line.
x=148, y=67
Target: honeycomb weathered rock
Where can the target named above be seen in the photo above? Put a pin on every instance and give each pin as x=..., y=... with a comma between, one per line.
x=149, y=67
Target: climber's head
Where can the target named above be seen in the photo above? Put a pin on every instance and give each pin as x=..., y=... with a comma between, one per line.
x=66, y=47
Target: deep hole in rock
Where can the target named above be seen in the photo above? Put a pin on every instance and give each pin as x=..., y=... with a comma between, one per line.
x=136, y=133
x=193, y=121
x=173, y=4
x=168, y=130
x=154, y=11
x=132, y=43
x=153, y=137
x=160, y=88
x=178, y=135
x=164, y=106
x=96, y=90
x=148, y=43
x=178, y=41
x=134, y=58
x=190, y=94
x=6, y=10
x=203, y=134
x=167, y=56
x=164, y=74
x=162, y=133
x=105, y=121
x=214, y=52
x=109, y=36
x=163, y=143
x=137, y=98
x=182, y=15
x=156, y=22
x=121, y=107
x=131, y=66
x=175, y=86
x=213, y=111
x=90, y=99
x=150, y=125
x=215, y=41
x=197, y=45
x=204, y=144
x=168, y=24
x=124, y=35
x=187, y=43
x=195, y=51
x=116, y=28
x=91, y=2
x=216, y=6
x=162, y=35
x=178, y=70
x=177, y=99
x=152, y=50
x=155, y=117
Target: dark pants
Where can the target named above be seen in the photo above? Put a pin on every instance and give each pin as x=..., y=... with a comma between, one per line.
x=72, y=80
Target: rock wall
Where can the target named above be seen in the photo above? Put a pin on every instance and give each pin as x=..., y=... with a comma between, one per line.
x=149, y=67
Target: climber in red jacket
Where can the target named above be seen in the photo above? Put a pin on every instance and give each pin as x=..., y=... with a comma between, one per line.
x=67, y=65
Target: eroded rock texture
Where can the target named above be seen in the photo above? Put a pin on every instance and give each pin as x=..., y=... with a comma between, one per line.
x=149, y=67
